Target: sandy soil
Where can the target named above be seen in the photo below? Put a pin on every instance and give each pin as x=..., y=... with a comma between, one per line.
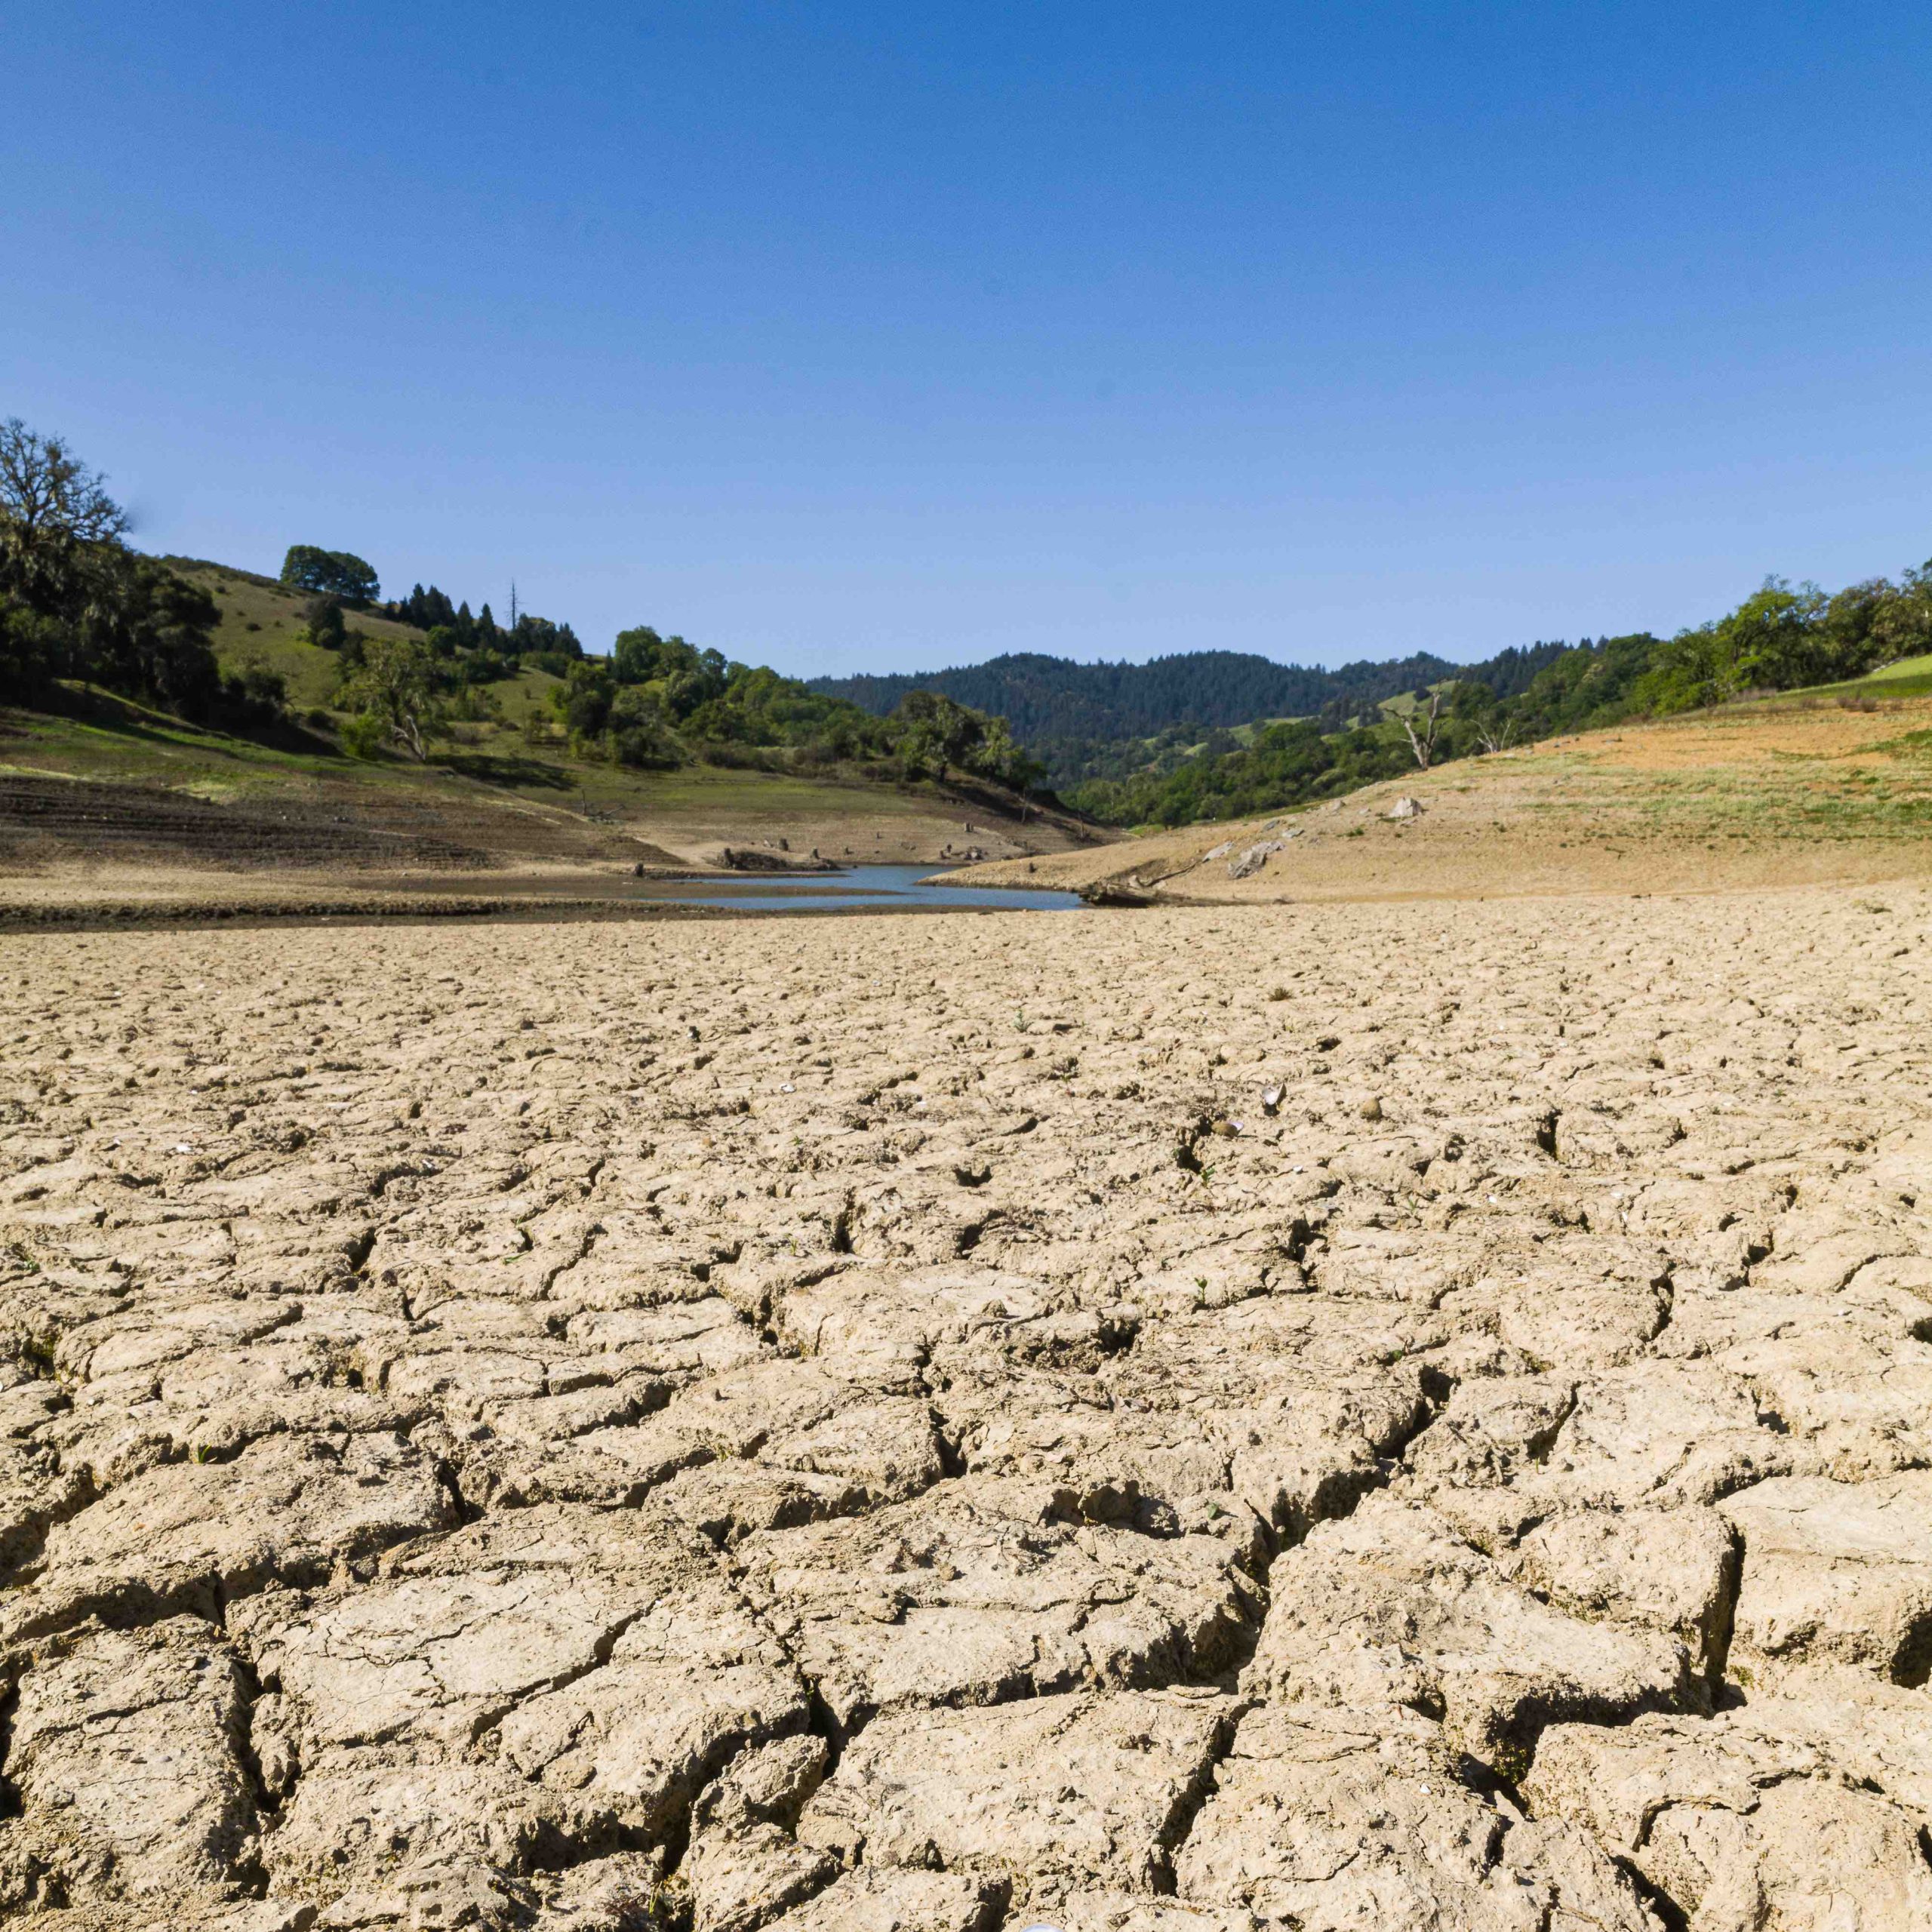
x=1354, y=1416
x=1752, y=797
x=94, y=895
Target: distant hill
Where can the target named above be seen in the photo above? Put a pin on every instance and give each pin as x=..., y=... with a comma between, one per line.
x=1045, y=700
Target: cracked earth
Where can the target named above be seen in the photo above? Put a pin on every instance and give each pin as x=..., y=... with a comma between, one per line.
x=1191, y=1421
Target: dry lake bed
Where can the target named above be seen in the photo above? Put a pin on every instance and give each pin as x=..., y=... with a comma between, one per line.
x=1403, y=1416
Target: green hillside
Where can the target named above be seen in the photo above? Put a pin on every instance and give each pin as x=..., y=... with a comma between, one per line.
x=509, y=777
x=265, y=622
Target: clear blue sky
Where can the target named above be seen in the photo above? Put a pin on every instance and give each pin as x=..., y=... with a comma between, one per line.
x=861, y=337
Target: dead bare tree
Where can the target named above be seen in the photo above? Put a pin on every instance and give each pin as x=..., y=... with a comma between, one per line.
x=1424, y=746
x=1493, y=740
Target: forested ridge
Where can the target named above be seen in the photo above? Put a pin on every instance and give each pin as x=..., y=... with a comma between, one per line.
x=1781, y=637
x=1046, y=700
x=1222, y=734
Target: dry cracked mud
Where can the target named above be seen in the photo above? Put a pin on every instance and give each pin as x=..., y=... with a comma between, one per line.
x=1366, y=1417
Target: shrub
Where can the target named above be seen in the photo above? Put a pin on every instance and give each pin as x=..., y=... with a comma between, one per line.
x=362, y=736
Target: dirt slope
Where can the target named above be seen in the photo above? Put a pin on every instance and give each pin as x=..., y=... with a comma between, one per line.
x=126, y=806
x=1754, y=795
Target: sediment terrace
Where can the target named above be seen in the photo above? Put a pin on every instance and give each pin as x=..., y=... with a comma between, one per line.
x=1391, y=1416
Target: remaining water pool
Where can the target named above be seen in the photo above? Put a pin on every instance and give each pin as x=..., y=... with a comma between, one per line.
x=858, y=888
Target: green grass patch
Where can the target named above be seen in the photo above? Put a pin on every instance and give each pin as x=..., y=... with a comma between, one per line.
x=1910, y=677
x=264, y=623
x=1906, y=668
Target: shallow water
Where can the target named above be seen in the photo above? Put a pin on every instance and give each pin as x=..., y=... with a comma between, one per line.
x=858, y=888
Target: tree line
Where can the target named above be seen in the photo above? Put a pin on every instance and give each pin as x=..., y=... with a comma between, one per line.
x=654, y=704
x=1052, y=701
x=1117, y=722
x=468, y=650
x=453, y=632
x=1781, y=637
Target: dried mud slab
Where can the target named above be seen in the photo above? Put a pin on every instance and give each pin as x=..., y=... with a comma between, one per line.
x=1041, y=1795
x=1736, y=1827
x=1329, y=1818
x=128, y=1757
x=985, y=1591
x=289, y=1509
x=1187, y=1421
x=1391, y=1608
x=1839, y=1572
